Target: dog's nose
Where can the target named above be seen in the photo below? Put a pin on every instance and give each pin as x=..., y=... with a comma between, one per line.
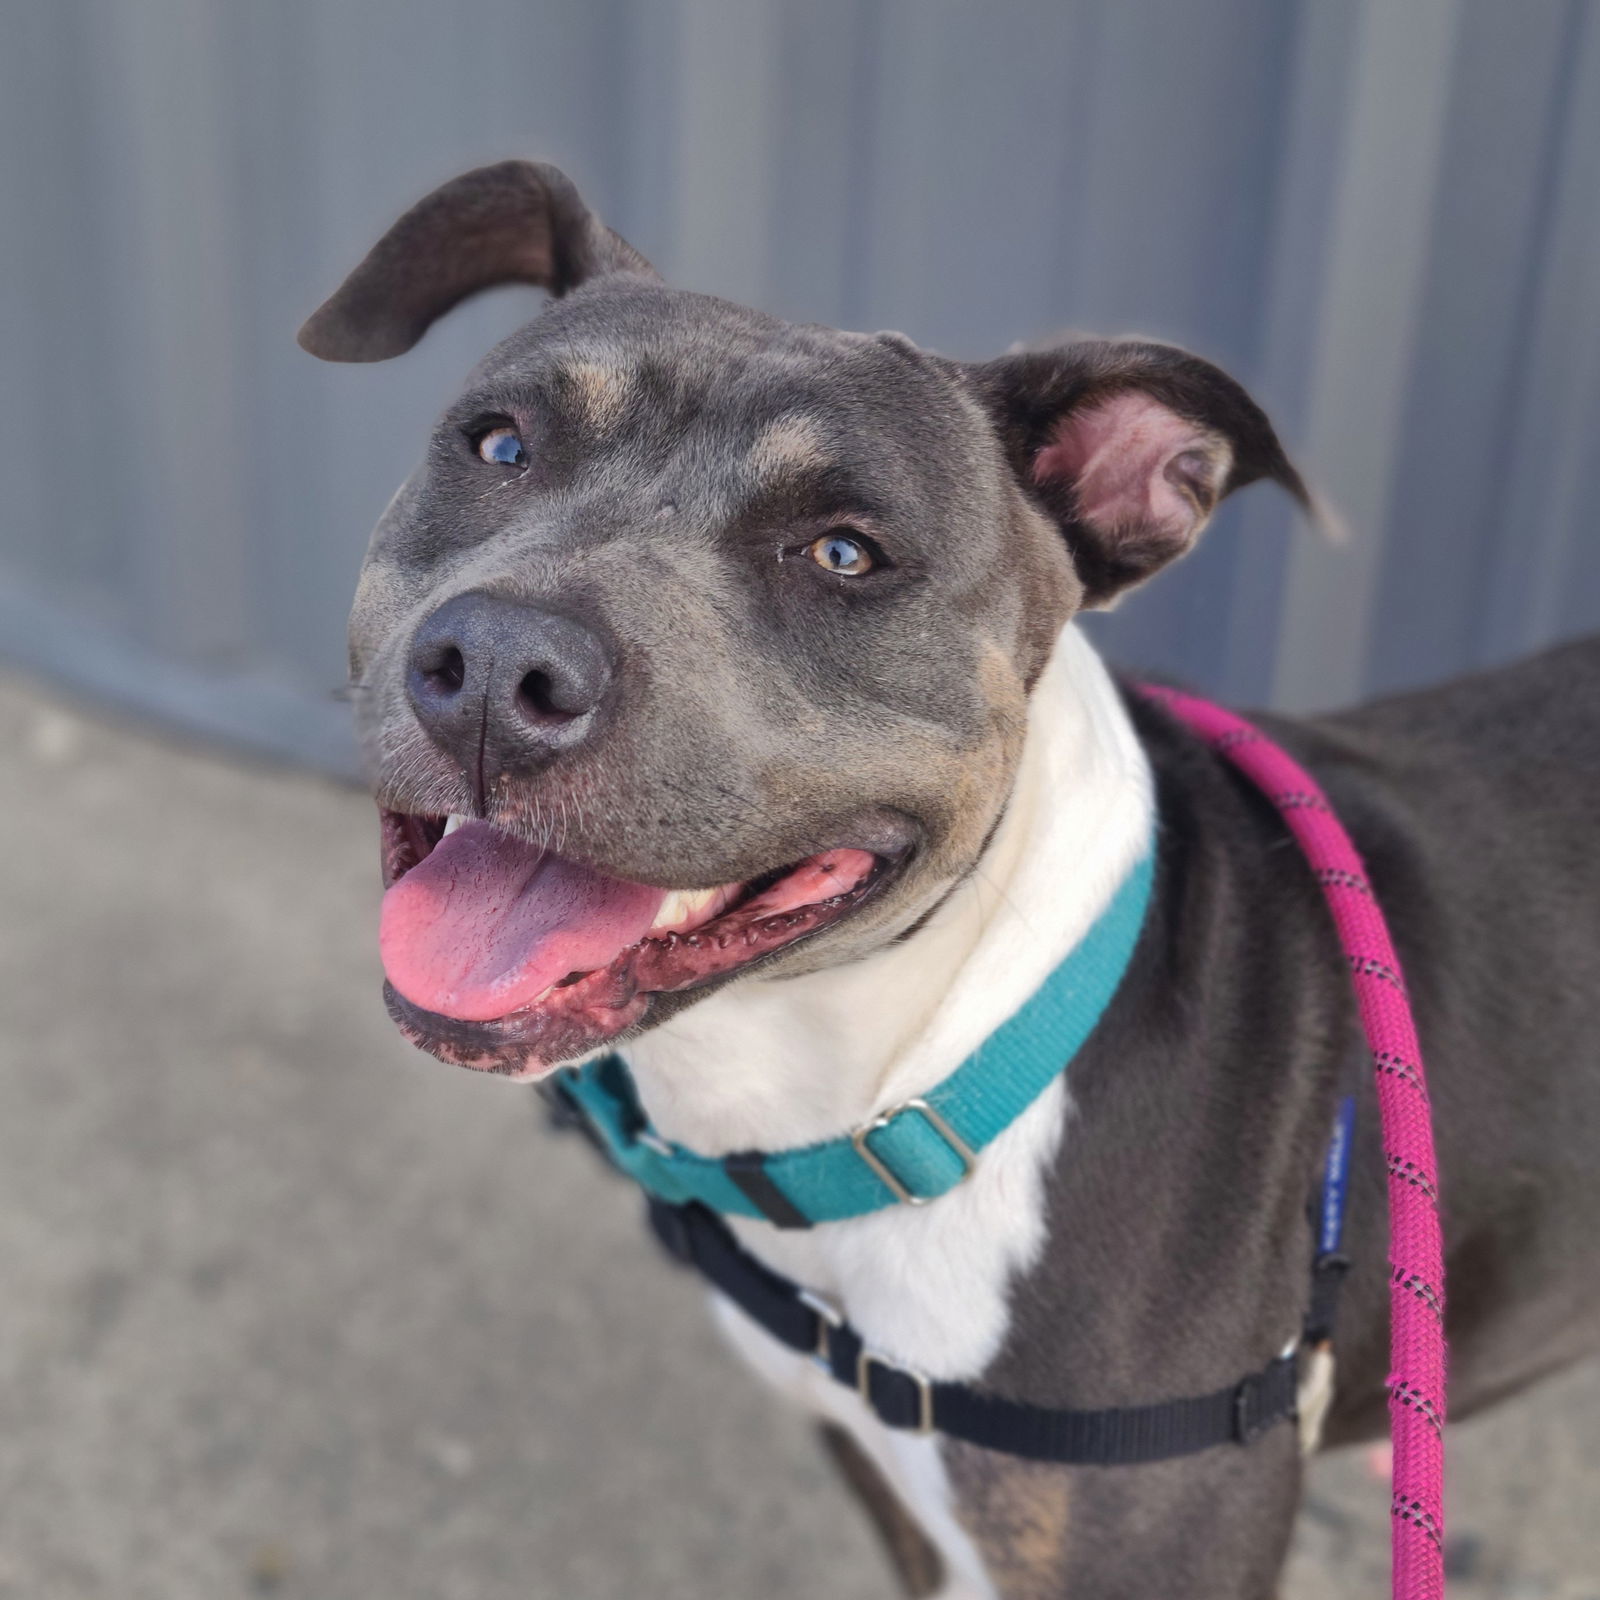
x=502, y=686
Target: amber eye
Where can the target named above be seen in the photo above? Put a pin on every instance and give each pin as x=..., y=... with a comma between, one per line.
x=502, y=447
x=839, y=552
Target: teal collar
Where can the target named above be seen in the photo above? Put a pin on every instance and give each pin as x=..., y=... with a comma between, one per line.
x=910, y=1154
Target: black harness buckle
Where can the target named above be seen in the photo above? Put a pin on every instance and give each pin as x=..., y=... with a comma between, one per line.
x=904, y=1397
x=1260, y=1400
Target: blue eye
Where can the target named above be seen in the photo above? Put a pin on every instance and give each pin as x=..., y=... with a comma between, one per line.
x=502, y=446
x=838, y=552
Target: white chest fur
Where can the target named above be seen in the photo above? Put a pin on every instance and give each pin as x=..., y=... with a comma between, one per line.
x=774, y=1064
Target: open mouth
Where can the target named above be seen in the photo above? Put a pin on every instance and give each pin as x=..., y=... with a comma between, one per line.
x=509, y=958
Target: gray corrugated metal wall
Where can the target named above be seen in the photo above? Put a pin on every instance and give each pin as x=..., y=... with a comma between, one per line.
x=1385, y=217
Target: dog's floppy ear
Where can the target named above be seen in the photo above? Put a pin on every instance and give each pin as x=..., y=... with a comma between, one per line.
x=1130, y=447
x=515, y=222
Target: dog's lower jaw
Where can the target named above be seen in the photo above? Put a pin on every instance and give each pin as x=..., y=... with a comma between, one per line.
x=771, y=1065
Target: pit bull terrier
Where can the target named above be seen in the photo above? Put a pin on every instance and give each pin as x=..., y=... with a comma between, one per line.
x=720, y=689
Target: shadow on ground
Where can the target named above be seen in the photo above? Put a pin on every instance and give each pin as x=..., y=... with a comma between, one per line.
x=290, y=1310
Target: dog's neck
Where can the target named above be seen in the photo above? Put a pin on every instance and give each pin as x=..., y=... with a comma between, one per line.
x=769, y=1064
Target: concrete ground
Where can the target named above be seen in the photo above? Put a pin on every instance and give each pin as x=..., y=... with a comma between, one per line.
x=287, y=1309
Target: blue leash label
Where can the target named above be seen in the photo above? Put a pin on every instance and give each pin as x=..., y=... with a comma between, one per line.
x=1336, y=1177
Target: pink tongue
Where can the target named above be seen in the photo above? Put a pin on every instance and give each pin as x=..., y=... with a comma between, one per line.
x=485, y=924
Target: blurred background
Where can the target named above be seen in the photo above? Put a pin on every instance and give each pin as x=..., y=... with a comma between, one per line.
x=289, y=1310
x=1384, y=218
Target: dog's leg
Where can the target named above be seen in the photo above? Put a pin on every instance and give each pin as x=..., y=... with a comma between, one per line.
x=1193, y=1529
x=899, y=1477
x=914, y=1556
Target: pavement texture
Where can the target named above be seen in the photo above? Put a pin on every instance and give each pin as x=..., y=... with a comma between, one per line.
x=290, y=1310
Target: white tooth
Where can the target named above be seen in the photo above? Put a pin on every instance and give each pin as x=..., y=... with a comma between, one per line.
x=452, y=822
x=672, y=910
x=681, y=904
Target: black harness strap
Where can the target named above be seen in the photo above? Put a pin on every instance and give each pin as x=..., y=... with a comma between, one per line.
x=901, y=1398
x=1327, y=1279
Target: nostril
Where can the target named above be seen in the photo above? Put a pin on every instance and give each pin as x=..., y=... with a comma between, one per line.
x=493, y=678
x=448, y=671
x=536, y=697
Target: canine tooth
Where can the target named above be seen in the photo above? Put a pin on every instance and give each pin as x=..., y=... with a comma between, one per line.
x=681, y=904
x=452, y=822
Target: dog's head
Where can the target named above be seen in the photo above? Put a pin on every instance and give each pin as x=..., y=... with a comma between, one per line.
x=717, y=630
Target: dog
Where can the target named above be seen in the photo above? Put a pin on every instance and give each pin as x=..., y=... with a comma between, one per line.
x=720, y=687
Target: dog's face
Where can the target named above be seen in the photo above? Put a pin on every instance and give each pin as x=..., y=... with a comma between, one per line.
x=718, y=630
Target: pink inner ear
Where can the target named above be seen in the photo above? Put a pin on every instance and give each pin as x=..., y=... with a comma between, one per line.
x=1138, y=468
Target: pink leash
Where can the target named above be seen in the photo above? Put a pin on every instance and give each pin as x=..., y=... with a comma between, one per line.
x=1416, y=1254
